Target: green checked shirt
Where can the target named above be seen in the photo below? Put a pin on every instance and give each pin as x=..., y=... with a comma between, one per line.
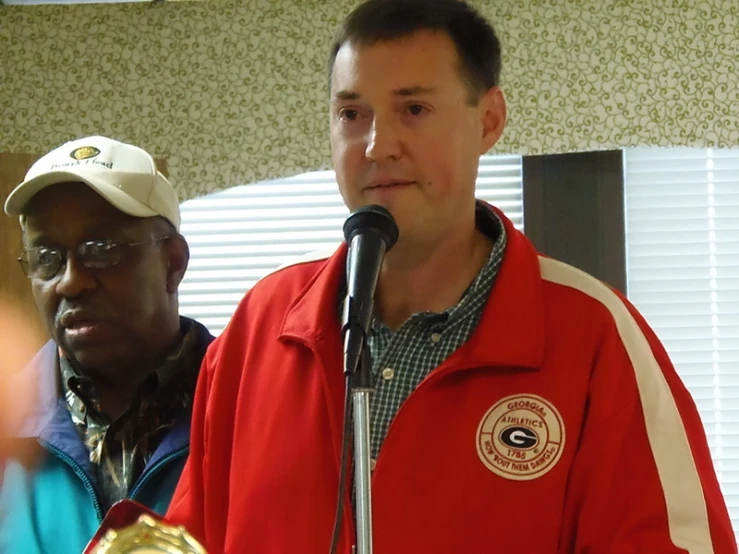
x=402, y=359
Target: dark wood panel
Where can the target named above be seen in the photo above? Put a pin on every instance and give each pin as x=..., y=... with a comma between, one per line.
x=574, y=211
x=13, y=283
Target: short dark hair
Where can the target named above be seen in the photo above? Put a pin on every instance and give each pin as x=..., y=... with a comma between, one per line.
x=383, y=20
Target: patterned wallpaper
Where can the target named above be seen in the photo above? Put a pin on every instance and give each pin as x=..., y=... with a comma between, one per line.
x=232, y=92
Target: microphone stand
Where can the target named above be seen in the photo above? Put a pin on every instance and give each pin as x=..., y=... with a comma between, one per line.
x=362, y=384
x=370, y=232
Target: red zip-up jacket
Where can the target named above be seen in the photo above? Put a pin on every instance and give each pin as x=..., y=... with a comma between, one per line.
x=560, y=426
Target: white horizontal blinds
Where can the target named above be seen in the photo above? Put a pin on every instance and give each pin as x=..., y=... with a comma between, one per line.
x=238, y=235
x=682, y=242
x=500, y=182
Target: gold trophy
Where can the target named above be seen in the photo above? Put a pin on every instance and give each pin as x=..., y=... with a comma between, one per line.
x=130, y=528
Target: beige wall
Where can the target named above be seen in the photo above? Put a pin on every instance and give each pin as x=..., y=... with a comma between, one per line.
x=232, y=92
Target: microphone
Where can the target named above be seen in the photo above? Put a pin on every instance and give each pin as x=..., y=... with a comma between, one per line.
x=370, y=232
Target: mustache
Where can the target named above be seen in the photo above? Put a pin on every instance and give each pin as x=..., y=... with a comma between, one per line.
x=69, y=311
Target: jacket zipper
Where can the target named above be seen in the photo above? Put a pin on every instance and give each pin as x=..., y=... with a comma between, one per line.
x=91, y=488
x=156, y=469
x=80, y=473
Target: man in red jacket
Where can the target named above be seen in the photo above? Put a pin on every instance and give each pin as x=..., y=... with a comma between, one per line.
x=521, y=405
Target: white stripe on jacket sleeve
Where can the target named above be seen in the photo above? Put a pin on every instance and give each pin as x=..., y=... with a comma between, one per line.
x=686, y=505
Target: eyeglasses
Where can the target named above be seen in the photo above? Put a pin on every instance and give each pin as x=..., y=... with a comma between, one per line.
x=45, y=262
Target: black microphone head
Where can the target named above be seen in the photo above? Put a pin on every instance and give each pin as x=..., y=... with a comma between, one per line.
x=372, y=219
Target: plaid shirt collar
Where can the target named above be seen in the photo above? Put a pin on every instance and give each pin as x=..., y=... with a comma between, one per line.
x=474, y=297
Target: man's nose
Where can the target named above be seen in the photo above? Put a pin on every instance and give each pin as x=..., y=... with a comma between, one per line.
x=75, y=278
x=383, y=141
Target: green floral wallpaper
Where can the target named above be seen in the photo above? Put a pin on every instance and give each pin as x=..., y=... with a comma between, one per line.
x=232, y=92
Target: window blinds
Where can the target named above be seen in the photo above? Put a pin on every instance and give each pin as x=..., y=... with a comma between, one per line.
x=682, y=242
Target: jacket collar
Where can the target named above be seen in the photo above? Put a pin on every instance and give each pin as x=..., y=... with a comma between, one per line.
x=511, y=330
x=314, y=315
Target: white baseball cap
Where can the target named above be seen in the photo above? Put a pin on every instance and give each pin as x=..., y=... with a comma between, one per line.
x=125, y=175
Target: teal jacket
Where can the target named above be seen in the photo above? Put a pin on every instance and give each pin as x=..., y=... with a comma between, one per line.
x=53, y=508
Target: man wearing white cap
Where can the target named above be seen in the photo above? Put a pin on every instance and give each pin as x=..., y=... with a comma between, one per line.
x=114, y=386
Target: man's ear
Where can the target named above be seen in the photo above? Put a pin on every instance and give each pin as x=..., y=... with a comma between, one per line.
x=178, y=256
x=492, y=116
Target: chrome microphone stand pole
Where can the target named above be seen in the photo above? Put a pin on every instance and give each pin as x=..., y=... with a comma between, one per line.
x=362, y=386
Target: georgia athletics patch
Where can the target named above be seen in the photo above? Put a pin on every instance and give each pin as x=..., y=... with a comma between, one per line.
x=521, y=437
